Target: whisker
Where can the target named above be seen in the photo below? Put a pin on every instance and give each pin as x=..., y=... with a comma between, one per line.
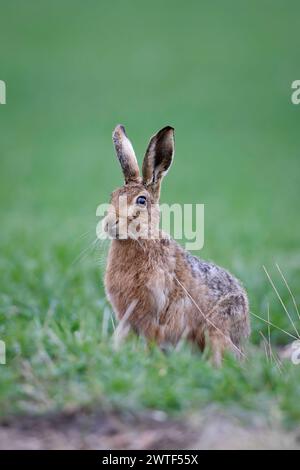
x=85, y=234
x=81, y=255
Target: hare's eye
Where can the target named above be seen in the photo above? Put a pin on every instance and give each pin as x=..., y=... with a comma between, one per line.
x=141, y=201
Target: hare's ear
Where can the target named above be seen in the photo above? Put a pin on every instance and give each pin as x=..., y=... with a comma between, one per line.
x=158, y=159
x=126, y=155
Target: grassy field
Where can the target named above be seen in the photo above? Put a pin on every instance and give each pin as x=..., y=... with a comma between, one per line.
x=221, y=74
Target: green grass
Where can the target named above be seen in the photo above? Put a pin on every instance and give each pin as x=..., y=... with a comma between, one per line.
x=220, y=73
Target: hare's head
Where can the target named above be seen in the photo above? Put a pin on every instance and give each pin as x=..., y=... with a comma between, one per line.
x=134, y=210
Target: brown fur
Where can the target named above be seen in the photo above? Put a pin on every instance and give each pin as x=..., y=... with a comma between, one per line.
x=156, y=288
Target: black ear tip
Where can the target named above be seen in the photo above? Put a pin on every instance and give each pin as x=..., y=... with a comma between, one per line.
x=167, y=131
x=119, y=129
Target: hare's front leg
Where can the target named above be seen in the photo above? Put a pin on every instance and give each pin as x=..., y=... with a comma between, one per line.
x=120, y=334
x=124, y=327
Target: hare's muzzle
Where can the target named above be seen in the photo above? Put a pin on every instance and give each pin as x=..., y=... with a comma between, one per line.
x=111, y=226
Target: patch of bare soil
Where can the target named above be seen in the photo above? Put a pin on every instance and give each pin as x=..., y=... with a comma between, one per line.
x=208, y=430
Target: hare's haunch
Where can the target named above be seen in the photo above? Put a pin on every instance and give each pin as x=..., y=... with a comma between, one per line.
x=156, y=288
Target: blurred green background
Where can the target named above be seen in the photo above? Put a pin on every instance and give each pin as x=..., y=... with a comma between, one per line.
x=221, y=74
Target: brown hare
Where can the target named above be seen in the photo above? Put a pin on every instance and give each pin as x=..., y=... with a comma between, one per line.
x=156, y=288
